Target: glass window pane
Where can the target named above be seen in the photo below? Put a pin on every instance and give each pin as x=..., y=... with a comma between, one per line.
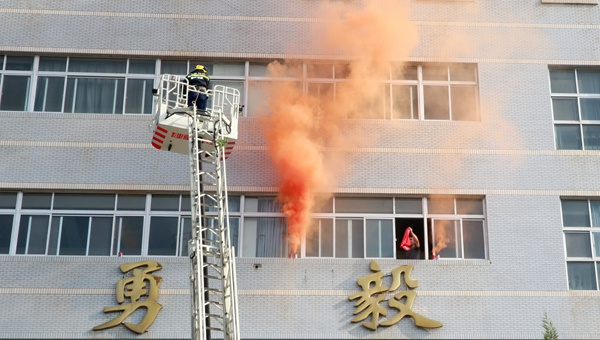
x=36, y=201
x=234, y=232
x=53, y=239
x=6, y=225
x=95, y=95
x=447, y=239
x=363, y=205
x=97, y=65
x=589, y=81
x=590, y=108
x=84, y=201
x=321, y=91
x=596, y=239
x=562, y=81
x=261, y=204
x=22, y=236
x=265, y=237
x=404, y=72
x=163, y=236
x=405, y=102
x=74, y=235
x=469, y=206
x=323, y=205
x=341, y=71
x=435, y=73
x=142, y=66
x=436, y=102
x=131, y=202
x=595, y=213
x=440, y=205
x=19, y=63
x=578, y=244
x=462, y=73
x=49, y=94
x=174, y=67
x=53, y=64
x=258, y=94
x=258, y=69
x=591, y=137
x=464, y=107
x=565, y=109
x=581, y=275
x=341, y=238
x=568, y=137
x=139, y=96
x=165, y=202
x=319, y=71
x=38, y=234
x=8, y=200
x=186, y=236
x=379, y=238
x=409, y=205
x=234, y=203
x=131, y=235
x=313, y=239
x=358, y=242
x=15, y=90
x=575, y=213
x=226, y=69
x=327, y=238
x=186, y=204
x=101, y=236
x=473, y=235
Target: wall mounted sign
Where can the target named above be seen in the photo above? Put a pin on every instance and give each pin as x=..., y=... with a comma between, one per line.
x=374, y=292
x=137, y=283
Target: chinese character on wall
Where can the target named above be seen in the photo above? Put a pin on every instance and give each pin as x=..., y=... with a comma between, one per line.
x=140, y=288
x=374, y=293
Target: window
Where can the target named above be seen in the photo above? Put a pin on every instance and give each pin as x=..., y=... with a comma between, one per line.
x=367, y=227
x=581, y=227
x=343, y=227
x=124, y=86
x=15, y=82
x=76, y=85
x=576, y=108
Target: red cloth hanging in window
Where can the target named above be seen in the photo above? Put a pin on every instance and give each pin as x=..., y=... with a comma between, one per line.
x=406, y=241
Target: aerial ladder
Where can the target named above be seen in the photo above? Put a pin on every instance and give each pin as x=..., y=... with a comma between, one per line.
x=207, y=137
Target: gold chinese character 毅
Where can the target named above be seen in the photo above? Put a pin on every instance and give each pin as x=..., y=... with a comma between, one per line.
x=374, y=292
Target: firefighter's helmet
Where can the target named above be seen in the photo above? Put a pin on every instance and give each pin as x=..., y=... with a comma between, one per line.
x=201, y=68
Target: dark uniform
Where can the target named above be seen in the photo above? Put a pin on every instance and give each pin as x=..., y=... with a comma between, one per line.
x=201, y=81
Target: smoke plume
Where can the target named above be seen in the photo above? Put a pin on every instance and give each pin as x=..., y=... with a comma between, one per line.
x=299, y=126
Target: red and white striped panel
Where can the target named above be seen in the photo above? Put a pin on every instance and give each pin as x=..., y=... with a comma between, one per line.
x=159, y=137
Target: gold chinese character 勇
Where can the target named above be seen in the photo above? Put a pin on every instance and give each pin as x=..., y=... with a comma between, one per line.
x=134, y=287
x=368, y=304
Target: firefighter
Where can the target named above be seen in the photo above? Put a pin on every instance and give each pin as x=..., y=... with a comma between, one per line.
x=199, y=79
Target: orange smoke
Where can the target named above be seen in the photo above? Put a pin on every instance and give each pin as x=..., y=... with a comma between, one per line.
x=372, y=37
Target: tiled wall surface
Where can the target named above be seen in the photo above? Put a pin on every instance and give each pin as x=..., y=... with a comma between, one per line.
x=509, y=157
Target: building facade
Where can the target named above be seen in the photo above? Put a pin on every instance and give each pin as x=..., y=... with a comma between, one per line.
x=485, y=142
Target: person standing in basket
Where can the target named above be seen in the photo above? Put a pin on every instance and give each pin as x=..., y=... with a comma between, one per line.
x=199, y=79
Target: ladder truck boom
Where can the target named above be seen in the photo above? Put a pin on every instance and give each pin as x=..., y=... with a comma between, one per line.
x=207, y=137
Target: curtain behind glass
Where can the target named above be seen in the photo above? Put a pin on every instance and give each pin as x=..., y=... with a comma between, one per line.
x=581, y=275
x=94, y=95
x=271, y=235
x=589, y=81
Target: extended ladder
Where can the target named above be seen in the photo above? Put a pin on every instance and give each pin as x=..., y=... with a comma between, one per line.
x=213, y=284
